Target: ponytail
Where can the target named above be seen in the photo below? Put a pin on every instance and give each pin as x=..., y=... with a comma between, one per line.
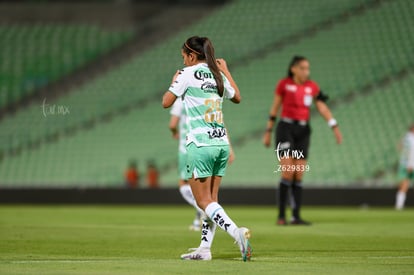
x=204, y=50
x=212, y=64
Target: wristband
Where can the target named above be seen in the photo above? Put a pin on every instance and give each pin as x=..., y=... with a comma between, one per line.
x=272, y=118
x=332, y=123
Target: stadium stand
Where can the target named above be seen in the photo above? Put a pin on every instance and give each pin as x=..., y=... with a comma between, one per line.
x=127, y=99
x=127, y=85
x=37, y=54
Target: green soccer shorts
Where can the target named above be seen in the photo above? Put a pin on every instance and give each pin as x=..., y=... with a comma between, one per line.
x=206, y=161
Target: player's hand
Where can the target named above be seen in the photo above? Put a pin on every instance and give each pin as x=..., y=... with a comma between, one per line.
x=174, y=132
x=338, y=135
x=266, y=139
x=222, y=65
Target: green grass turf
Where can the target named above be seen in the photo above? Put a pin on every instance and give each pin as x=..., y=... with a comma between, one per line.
x=149, y=240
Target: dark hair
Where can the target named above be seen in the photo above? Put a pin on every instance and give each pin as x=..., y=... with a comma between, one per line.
x=295, y=60
x=204, y=50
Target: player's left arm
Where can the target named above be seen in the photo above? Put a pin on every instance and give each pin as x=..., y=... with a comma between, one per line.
x=326, y=113
x=222, y=65
x=232, y=156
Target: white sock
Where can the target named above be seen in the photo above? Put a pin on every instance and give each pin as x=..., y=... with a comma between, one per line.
x=187, y=194
x=197, y=219
x=208, y=230
x=400, y=200
x=217, y=214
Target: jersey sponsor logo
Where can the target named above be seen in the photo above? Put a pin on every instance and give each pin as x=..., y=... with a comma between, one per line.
x=291, y=88
x=209, y=87
x=202, y=75
x=217, y=133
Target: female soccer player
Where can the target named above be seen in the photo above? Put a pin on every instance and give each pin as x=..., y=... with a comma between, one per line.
x=406, y=168
x=295, y=94
x=203, y=84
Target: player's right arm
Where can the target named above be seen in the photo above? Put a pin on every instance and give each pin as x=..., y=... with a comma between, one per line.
x=176, y=89
x=274, y=109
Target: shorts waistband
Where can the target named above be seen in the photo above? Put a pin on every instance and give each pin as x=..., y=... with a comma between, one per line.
x=292, y=121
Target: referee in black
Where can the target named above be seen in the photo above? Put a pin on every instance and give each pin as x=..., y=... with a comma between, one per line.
x=295, y=94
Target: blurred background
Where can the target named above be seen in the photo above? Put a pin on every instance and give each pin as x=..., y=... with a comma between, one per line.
x=81, y=85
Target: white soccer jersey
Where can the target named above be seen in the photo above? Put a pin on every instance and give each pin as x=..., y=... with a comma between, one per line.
x=407, y=154
x=203, y=105
x=178, y=110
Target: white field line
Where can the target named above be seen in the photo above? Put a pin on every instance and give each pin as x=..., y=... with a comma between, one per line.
x=40, y=261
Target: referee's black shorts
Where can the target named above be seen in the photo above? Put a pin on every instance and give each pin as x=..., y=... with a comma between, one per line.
x=292, y=139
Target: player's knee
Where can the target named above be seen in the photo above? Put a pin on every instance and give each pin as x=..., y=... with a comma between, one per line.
x=298, y=176
x=288, y=175
x=202, y=203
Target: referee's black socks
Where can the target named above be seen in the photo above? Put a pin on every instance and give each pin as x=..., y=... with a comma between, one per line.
x=283, y=194
x=297, y=199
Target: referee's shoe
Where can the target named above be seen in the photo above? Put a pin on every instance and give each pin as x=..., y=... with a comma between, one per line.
x=299, y=222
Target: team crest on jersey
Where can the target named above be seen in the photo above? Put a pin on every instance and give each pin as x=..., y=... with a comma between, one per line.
x=308, y=90
x=291, y=88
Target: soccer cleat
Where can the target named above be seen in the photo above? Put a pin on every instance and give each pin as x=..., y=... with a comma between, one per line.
x=243, y=236
x=281, y=221
x=299, y=222
x=194, y=227
x=198, y=254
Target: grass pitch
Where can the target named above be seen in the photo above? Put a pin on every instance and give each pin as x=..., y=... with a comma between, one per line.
x=149, y=240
